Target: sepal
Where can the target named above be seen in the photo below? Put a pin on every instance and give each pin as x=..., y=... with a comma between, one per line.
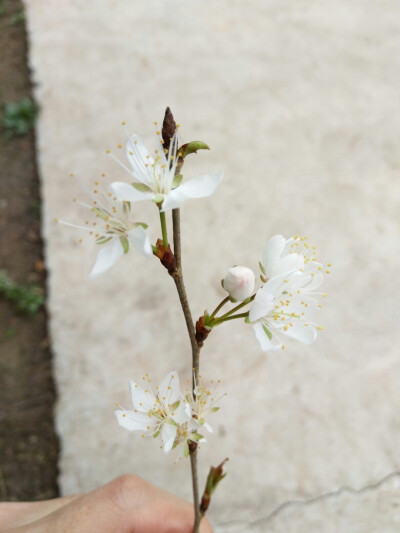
x=142, y=187
x=176, y=181
x=125, y=244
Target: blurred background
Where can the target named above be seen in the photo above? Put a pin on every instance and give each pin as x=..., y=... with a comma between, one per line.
x=299, y=104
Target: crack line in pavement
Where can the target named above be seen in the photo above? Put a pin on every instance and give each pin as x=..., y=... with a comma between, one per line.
x=331, y=494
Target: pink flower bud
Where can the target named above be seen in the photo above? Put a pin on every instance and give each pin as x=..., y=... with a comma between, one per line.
x=239, y=283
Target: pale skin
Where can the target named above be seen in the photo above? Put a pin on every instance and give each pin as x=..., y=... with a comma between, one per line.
x=128, y=504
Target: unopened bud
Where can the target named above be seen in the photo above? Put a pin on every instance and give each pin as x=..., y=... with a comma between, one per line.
x=239, y=283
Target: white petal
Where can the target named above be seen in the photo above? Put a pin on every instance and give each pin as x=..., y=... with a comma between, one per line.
x=168, y=435
x=198, y=187
x=278, y=259
x=132, y=421
x=302, y=333
x=168, y=391
x=126, y=192
x=313, y=282
x=278, y=284
x=208, y=427
x=290, y=263
x=142, y=399
x=138, y=156
x=272, y=253
x=262, y=304
x=194, y=426
x=140, y=240
x=107, y=257
x=182, y=414
x=173, y=200
x=263, y=339
x=202, y=186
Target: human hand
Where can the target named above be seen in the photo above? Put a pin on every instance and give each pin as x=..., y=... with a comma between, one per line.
x=126, y=505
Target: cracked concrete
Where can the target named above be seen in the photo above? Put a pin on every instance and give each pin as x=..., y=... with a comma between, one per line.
x=377, y=508
x=299, y=102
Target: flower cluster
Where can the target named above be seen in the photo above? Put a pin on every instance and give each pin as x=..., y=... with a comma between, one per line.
x=287, y=302
x=285, y=305
x=167, y=412
x=156, y=180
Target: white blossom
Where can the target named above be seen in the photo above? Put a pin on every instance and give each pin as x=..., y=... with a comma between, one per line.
x=204, y=402
x=156, y=180
x=113, y=228
x=239, y=283
x=164, y=412
x=288, y=301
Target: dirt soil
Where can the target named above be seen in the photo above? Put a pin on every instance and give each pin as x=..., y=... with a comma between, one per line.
x=28, y=443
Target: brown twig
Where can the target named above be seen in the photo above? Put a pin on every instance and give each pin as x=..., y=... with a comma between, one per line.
x=173, y=262
x=180, y=286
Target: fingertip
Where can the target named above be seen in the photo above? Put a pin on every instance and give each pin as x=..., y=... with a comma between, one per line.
x=205, y=526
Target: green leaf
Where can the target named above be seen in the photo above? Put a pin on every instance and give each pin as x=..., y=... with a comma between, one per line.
x=142, y=187
x=192, y=147
x=267, y=332
x=18, y=17
x=125, y=244
x=26, y=298
x=176, y=181
x=3, y=7
x=19, y=117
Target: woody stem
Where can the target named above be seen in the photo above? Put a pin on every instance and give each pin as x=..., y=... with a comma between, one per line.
x=180, y=286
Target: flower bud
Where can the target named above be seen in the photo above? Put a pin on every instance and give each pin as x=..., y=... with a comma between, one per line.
x=239, y=283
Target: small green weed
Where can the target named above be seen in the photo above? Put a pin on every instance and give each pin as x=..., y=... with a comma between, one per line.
x=9, y=333
x=18, y=17
x=3, y=7
x=19, y=117
x=27, y=299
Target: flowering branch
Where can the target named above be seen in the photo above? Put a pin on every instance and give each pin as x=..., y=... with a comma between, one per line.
x=283, y=307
